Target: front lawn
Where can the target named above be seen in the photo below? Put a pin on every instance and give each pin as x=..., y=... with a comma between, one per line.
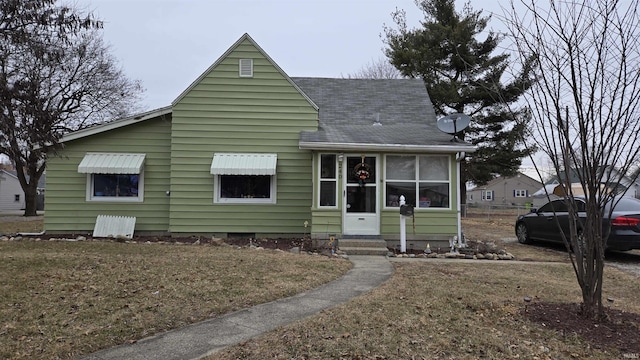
x=63, y=299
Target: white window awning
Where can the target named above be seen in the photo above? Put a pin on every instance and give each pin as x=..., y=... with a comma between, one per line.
x=111, y=163
x=243, y=164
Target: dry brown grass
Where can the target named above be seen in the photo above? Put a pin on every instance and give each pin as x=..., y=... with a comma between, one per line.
x=453, y=310
x=62, y=299
x=445, y=310
x=15, y=224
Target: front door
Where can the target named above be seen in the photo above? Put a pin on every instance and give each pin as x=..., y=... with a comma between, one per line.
x=361, y=210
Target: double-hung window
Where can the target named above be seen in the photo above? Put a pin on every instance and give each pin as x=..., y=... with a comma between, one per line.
x=113, y=177
x=424, y=180
x=244, y=178
x=520, y=193
x=487, y=195
x=328, y=181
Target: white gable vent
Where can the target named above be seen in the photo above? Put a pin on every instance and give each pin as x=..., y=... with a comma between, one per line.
x=246, y=67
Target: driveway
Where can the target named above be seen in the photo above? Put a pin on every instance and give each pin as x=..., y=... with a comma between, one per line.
x=628, y=261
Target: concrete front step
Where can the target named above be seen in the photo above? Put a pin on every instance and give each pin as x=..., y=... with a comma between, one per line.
x=363, y=246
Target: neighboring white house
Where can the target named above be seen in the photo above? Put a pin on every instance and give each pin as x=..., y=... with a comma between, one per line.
x=11, y=194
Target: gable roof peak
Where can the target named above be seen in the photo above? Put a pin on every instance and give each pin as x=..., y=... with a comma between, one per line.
x=243, y=38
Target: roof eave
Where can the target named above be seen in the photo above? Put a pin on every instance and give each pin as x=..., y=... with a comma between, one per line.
x=387, y=147
x=116, y=124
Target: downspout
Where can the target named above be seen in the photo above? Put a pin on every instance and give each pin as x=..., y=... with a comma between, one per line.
x=459, y=158
x=31, y=234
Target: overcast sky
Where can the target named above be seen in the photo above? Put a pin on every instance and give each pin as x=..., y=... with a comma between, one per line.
x=167, y=44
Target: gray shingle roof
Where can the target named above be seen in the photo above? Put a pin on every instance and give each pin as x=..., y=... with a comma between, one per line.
x=350, y=107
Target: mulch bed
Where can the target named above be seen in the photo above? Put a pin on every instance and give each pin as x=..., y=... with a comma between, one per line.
x=618, y=330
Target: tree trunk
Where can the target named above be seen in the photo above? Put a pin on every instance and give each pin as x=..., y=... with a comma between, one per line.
x=31, y=198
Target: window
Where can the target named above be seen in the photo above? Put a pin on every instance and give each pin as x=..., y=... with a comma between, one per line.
x=487, y=195
x=113, y=177
x=244, y=178
x=245, y=189
x=520, y=193
x=115, y=187
x=423, y=180
x=328, y=181
x=16, y=197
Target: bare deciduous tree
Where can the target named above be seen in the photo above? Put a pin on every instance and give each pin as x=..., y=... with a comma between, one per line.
x=56, y=76
x=376, y=69
x=585, y=109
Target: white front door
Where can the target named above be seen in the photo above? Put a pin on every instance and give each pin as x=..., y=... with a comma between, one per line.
x=361, y=210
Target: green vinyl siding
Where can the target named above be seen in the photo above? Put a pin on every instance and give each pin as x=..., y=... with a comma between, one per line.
x=431, y=223
x=67, y=210
x=325, y=223
x=224, y=112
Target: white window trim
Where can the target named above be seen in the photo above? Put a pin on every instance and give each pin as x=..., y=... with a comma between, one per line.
x=417, y=181
x=321, y=179
x=129, y=199
x=217, y=199
x=485, y=193
x=520, y=193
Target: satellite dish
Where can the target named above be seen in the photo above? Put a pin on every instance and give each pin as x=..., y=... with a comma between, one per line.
x=453, y=123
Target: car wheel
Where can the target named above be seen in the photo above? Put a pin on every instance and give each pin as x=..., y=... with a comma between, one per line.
x=523, y=233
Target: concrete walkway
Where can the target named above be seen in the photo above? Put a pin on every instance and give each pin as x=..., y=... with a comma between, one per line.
x=207, y=337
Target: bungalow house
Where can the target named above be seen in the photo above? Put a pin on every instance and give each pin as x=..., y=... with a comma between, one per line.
x=247, y=150
x=514, y=190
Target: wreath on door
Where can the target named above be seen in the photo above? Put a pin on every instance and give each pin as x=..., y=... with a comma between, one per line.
x=362, y=172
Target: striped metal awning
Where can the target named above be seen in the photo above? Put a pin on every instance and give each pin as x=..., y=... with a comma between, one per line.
x=111, y=163
x=243, y=164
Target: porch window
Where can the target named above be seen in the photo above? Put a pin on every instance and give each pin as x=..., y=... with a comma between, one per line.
x=422, y=179
x=328, y=181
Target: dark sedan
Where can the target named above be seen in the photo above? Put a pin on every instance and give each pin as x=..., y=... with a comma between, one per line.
x=541, y=225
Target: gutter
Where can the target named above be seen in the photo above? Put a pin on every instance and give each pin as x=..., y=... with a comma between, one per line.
x=386, y=147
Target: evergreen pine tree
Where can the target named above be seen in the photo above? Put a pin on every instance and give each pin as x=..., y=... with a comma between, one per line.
x=462, y=75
